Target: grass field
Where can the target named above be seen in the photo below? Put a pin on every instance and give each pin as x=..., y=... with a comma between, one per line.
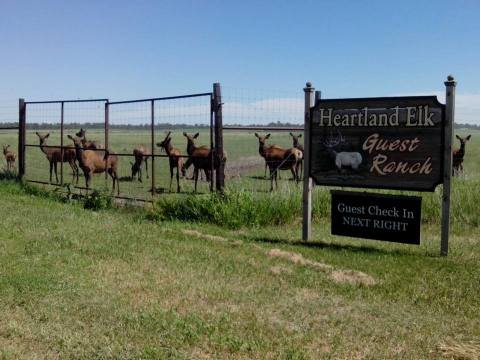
x=79, y=284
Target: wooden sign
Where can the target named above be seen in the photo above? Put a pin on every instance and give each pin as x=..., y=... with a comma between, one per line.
x=389, y=143
x=376, y=216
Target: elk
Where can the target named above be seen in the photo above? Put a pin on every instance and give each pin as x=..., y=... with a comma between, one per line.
x=201, y=158
x=261, y=149
x=10, y=156
x=342, y=159
x=458, y=155
x=297, y=145
x=141, y=154
x=175, y=159
x=95, y=162
x=54, y=156
x=88, y=145
x=279, y=159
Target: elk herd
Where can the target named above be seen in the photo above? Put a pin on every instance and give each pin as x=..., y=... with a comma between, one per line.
x=92, y=158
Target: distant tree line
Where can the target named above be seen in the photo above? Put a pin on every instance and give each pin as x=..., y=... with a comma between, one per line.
x=165, y=126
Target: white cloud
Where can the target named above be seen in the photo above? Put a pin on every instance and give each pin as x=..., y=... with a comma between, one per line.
x=467, y=106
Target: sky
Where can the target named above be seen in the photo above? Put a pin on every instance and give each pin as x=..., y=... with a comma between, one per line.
x=137, y=49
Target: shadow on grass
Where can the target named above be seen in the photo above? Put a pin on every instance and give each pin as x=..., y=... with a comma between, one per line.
x=341, y=247
x=8, y=174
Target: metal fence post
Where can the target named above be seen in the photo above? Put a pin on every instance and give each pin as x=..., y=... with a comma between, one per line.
x=22, y=116
x=307, y=180
x=62, y=151
x=447, y=162
x=212, y=146
x=217, y=106
x=106, y=130
x=152, y=110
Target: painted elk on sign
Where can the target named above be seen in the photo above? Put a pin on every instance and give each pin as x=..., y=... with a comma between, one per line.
x=342, y=159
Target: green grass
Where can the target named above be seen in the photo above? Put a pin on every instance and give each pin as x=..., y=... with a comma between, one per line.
x=113, y=284
x=80, y=284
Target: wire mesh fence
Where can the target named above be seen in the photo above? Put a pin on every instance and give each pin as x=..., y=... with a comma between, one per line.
x=148, y=140
x=9, y=137
x=253, y=115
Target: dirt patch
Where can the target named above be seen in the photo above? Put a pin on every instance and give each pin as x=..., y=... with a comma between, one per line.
x=339, y=276
x=299, y=259
x=244, y=165
x=203, y=236
x=452, y=349
x=278, y=270
x=352, y=277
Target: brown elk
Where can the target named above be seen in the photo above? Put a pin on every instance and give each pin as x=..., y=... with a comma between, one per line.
x=141, y=155
x=88, y=145
x=10, y=156
x=279, y=159
x=54, y=156
x=201, y=158
x=458, y=155
x=174, y=159
x=297, y=145
x=261, y=149
x=96, y=162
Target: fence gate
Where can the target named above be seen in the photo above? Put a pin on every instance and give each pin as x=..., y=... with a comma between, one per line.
x=131, y=131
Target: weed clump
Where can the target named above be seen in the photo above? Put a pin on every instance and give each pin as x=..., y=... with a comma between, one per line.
x=233, y=209
x=98, y=200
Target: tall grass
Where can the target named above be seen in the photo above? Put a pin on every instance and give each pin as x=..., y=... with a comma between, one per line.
x=234, y=209
x=238, y=208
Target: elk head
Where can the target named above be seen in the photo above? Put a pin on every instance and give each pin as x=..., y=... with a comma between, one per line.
x=81, y=133
x=43, y=138
x=190, y=140
x=166, y=142
x=76, y=140
x=463, y=140
x=295, y=139
x=262, y=139
x=5, y=149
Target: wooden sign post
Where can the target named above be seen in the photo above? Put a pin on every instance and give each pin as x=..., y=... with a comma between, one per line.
x=447, y=162
x=307, y=180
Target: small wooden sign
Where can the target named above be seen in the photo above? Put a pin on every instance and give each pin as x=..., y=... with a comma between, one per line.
x=376, y=216
x=386, y=143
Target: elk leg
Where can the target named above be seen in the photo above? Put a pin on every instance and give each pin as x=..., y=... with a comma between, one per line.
x=146, y=166
x=171, y=178
x=195, y=176
x=51, y=171
x=87, y=180
x=178, y=180
x=56, y=174
x=271, y=178
x=74, y=172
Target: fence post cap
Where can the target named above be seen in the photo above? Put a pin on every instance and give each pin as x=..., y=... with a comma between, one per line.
x=308, y=86
x=450, y=81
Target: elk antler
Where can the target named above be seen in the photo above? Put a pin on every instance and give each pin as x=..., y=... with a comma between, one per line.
x=331, y=141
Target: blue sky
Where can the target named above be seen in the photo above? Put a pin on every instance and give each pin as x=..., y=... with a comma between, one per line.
x=134, y=49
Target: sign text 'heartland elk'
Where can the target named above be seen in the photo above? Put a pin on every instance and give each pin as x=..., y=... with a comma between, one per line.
x=393, y=143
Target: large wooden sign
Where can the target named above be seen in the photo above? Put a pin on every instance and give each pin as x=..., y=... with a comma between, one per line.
x=377, y=216
x=389, y=143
